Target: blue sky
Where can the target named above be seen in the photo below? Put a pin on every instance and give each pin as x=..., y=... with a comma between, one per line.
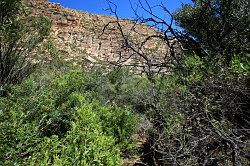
x=123, y=6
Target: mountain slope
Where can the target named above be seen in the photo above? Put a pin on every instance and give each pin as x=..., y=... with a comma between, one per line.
x=81, y=36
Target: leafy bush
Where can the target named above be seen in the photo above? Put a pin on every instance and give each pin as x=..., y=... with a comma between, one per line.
x=200, y=115
x=84, y=144
x=20, y=34
x=53, y=121
x=204, y=23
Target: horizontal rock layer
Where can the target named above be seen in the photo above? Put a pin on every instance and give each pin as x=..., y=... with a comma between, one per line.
x=80, y=36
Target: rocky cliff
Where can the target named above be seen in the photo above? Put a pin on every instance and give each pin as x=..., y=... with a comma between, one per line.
x=80, y=35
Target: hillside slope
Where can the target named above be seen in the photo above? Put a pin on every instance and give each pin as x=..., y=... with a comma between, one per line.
x=80, y=36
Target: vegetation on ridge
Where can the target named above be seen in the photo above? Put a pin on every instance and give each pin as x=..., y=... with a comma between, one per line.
x=60, y=114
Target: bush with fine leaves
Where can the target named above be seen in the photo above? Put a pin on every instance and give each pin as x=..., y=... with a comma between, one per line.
x=53, y=121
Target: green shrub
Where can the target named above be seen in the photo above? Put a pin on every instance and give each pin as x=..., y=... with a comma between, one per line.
x=53, y=121
x=200, y=114
x=84, y=144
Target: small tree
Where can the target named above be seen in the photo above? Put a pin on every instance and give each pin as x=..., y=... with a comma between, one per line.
x=219, y=26
x=19, y=36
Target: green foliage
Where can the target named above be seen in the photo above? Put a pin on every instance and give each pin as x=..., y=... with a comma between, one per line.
x=63, y=116
x=84, y=144
x=19, y=36
x=191, y=69
x=221, y=27
x=194, y=112
x=241, y=65
x=118, y=86
x=9, y=9
x=51, y=120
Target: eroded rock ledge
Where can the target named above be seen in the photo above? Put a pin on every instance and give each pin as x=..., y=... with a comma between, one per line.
x=78, y=34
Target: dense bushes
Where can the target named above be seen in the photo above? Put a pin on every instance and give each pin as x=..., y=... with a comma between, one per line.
x=58, y=121
x=197, y=115
x=201, y=115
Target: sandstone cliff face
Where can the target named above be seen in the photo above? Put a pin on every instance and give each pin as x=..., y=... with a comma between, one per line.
x=80, y=34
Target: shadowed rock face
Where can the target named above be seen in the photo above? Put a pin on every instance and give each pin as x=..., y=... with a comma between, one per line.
x=79, y=34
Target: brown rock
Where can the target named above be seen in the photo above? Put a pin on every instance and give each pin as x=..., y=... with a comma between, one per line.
x=78, y=31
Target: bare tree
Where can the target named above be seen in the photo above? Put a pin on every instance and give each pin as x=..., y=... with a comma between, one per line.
x=153, y=52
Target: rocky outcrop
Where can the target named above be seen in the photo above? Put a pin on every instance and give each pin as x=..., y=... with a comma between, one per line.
x=80, y=34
